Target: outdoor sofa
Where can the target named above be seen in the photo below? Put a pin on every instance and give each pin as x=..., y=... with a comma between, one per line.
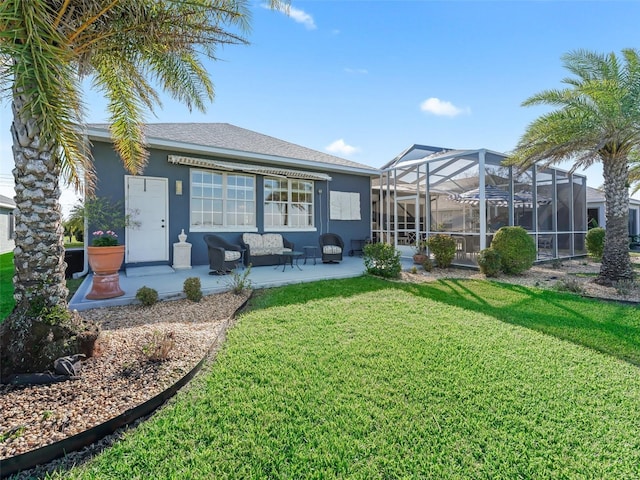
x=264, y=249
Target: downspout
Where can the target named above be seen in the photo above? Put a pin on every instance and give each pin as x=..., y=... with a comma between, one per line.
x=328, y=206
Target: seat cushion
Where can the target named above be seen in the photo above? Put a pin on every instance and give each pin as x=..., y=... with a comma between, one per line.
x=331, y=249
x=231, y=255
x=273, y=241
x=268, y=251
x=254, y=240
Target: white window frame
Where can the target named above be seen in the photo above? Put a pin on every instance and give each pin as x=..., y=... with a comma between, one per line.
x=290, y=204
x=225, y=200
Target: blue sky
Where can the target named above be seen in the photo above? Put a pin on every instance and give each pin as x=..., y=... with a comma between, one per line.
x=366, y=79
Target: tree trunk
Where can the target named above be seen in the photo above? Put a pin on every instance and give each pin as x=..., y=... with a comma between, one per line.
x=40, y=328
x=616, y=264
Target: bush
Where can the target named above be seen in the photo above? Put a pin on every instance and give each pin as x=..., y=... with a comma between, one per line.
x=625, y=287
x=427, y=264
x=516, y=248
x=147, y=296
x=382, y=260
x=239, y=281
x=193, y=289
x=595, y=242
x=443, y=248
x=571, y=285
x=489, y=262
x=158, y=348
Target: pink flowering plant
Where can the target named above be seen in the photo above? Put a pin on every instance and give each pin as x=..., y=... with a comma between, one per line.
x=106, y=216
x=104, y=239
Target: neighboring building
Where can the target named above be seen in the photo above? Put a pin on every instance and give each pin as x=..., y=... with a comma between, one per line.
x=222, y=179
x=596, y=215
x=471, y=195
x=7, y=224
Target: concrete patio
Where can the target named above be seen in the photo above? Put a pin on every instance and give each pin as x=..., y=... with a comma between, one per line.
x=169, y=282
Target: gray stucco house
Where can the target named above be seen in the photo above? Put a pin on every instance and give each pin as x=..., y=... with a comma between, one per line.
x=222, y=179
x=7, y=224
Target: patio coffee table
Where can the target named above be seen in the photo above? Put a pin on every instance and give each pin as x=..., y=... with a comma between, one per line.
x=286, y=258
x=310, y=251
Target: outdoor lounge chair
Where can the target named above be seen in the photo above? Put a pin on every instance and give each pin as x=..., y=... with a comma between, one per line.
x=223, y=256
x=331, y=247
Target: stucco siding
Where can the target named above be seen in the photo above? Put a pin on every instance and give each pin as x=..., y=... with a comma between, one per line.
x=111, y=183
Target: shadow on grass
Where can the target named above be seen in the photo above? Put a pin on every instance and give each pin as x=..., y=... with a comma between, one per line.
x=607, y=327
x=306, y=292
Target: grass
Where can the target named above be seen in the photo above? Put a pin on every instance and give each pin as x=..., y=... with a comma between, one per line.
x=366, y=379
x=6, y=284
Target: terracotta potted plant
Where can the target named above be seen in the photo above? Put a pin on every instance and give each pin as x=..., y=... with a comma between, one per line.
x=105, y=254
x=420, y=254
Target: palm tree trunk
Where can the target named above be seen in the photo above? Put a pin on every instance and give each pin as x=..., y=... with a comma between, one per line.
x=39, y=253
x=41, y=328
x=616, y=264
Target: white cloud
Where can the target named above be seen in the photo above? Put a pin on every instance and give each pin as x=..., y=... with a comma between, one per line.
x=298, y=16
x=439, y=107
x=339, y=147
x=359, y=71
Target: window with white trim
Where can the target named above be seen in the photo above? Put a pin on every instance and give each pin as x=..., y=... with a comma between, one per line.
x=288, y=203
x=221, y=200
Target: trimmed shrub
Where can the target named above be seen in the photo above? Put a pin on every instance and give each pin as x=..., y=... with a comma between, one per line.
x=443, y=248
x=516, y=248
x=147, y=296
x=382, y=260
x=193, y=289
x=595, y=242
x=489, y=262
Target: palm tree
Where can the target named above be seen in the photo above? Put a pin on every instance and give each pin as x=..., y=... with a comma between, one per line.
x=125, y=47
x=597, y=120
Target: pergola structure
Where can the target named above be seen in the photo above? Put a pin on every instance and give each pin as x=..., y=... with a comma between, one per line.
x=470, y=194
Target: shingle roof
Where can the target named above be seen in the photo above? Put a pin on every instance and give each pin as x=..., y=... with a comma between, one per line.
x=595, y=195
x=227, y=136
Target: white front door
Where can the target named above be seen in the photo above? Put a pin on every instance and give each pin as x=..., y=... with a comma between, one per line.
x=147, y=201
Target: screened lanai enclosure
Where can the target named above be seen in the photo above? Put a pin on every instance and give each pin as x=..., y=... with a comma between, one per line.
x=469, y=195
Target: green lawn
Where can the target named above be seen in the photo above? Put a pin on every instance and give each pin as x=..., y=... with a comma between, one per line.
x=6, y=284
x=368, y=379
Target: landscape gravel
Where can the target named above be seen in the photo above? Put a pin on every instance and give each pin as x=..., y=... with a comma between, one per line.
x=120, y=376
x=576, y=273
